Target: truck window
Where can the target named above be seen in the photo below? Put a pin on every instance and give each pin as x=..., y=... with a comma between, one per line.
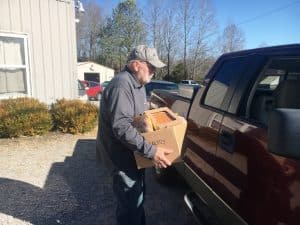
x=264, y=94
x=224, y=83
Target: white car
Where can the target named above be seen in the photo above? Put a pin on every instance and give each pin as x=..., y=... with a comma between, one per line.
x=188, y=82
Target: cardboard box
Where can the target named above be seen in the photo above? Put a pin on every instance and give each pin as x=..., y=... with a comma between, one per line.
x=170, y=134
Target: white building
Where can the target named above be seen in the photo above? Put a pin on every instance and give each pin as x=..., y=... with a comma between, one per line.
x=94, y=72
x=38, y=49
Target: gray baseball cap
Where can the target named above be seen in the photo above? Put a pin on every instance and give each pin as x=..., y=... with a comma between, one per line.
x=144, y=53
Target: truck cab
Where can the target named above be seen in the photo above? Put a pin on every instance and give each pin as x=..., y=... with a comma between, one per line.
x=242, y=146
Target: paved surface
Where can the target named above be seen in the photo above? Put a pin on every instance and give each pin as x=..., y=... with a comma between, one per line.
x=57, y=180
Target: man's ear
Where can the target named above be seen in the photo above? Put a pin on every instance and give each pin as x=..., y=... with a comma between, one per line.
x=134, y=66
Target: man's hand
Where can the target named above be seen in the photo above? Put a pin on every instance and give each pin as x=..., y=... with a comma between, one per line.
x=160, y=160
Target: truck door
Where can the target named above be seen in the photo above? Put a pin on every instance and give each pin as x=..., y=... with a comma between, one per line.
x=258, y=185
x=204, y=122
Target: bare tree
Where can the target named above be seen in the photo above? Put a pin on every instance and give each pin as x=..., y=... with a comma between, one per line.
x=154, y=19
x=88, y=30
x=233, y=39
x=169, y=38
x=205, y=28
x=159, y=18
x=186, y=14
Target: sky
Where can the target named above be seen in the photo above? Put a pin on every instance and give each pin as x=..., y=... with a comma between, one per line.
x=264, y=22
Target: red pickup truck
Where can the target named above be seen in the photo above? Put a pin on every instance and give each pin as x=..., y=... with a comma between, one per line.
x=241, y=154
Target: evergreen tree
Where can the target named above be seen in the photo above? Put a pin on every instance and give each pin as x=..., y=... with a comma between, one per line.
x=123, y=30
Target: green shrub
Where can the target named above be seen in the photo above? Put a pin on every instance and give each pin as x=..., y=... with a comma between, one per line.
x=23, y=117
x=73, y=116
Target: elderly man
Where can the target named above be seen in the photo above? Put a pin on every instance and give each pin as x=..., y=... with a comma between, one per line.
x=122, y=100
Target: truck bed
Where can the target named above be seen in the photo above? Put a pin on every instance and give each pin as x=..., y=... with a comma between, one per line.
x=175, y=102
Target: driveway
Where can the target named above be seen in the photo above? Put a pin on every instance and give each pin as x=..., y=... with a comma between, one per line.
x=55, y=179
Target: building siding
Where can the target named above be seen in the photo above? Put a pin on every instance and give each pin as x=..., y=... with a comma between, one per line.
x=50, y=28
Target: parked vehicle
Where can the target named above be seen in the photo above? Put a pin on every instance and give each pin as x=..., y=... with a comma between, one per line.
x=241, y=153
x=188, y=82
x=171, y=87
x=94, y=89
x=104, y=84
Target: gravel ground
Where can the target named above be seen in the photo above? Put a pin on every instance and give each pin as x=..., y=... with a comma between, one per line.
x=55, y=179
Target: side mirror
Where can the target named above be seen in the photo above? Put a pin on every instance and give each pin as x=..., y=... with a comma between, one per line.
x=284, y=132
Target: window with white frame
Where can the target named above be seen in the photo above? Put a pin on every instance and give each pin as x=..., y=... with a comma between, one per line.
x=14, y=68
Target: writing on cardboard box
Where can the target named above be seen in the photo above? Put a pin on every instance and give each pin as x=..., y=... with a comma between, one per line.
x=161, y=127
x=158, y=142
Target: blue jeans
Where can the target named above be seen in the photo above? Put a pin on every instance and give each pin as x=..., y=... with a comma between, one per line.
x=129, y=189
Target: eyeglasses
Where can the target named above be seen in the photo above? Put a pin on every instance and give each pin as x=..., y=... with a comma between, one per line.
x=150, y=67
